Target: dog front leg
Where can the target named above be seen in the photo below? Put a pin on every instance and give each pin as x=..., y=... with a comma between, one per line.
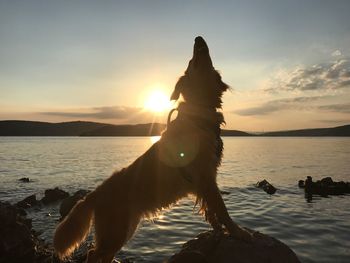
x=216, y=205
x=210, y=216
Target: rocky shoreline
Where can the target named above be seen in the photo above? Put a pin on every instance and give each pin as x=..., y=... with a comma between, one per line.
x=19, y=242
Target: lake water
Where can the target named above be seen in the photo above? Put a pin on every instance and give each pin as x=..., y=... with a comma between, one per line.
x=318, y=231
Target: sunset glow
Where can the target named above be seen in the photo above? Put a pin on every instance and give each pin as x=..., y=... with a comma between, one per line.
x=154, y=139
x=157, y=102
x=90, y=66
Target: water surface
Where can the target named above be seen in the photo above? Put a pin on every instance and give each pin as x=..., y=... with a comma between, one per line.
x=317, y=231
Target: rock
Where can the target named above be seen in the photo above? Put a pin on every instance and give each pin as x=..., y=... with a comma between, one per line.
x=18, y=242
x=301, y=184
x=68, y=203
x=53, y=195
x=324, y=187
x=211, y=247
x=266, y=186
x=28, y=202
x=327, y=181
x=24, y=179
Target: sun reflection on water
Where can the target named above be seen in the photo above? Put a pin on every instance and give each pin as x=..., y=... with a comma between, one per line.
x=154, y=139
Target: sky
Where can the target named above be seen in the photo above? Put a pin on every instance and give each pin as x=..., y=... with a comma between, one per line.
x=288, y=62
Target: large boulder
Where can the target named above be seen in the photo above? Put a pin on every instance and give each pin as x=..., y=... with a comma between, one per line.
x=68, y=203
x=211, y=247
x=18, y=242
x=54, y=195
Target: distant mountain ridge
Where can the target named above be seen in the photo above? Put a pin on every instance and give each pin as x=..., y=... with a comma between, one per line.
x=36, y=128
x=335, y=131
x=149, y=129
x=76, y=128
x=84, y=128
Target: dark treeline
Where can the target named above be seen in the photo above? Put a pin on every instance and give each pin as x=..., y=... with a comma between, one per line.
x=83, y=128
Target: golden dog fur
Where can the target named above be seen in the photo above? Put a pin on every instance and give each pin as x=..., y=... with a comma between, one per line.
x=184, y=161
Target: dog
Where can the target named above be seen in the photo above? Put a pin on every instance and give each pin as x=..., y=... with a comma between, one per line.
x=183, y=162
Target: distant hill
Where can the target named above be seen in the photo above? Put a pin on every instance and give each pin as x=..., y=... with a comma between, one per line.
x=82, y=128
x=77, y=128
x=234, y=133
x=336, y=131
x=36, y=128
x=148, y=129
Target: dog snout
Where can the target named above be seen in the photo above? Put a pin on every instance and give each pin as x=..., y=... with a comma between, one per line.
x=201, y=57
x=199, y=44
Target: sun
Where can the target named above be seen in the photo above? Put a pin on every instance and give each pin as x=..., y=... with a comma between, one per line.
x=157, y=102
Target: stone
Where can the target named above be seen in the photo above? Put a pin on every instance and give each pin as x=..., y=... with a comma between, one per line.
x=68, y=203
x=28, y=202
x=213, y=247
x=324, y=187
x=54, y=195
x=266, y=186
x=18, y=242
x=24, y=179
x=327, y=181
x=301, y=184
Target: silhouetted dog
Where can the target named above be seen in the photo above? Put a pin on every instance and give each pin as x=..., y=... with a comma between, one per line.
x=184, y=161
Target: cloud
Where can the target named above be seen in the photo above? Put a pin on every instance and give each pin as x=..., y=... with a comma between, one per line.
x=342, y=108
x=336, y=121
x=110, y=114
x=295, y=104
x=336, y=53
x=298, y=103
x=325, y=76
x=113, y=112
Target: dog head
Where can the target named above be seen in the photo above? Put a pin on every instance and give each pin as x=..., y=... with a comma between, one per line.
x=201, y=85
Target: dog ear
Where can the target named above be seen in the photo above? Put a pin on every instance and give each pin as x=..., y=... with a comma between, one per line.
x=178, y=88
x=224, y=86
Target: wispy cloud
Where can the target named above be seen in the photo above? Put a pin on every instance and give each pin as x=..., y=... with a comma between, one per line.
x=294, y=104
x=335, y=121
x=298, y=103
x=343, y=108
x=325, y=76
x=113, y=112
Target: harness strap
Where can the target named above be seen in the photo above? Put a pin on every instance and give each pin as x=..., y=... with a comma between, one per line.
x=184, y=174
x=169, y=116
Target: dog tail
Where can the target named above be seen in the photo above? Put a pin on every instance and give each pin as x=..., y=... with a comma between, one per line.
x=75, y=227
